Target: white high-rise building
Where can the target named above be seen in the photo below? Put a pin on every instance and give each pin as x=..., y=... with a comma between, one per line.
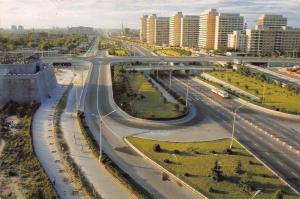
x=175, y=29
x=151, y=29
x=226, y=23
x=143, y=28
x=237, y=41
x=207, y=27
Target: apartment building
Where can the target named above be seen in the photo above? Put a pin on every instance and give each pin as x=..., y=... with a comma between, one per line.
x=175, y=29
x=226, y=23
x=189, y=31
x=271, y=21
x=162, y=31
x=263, y=42
x=207, y=27
x=157, y=30
x=237, y=41
x=143, y=28
x=151, y=29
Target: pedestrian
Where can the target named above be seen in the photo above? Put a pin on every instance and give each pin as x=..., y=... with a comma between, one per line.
x=53, y=181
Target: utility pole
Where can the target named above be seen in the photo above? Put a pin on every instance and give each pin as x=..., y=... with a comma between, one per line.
x=100, y=133
x=233, y=125
x=187, y=93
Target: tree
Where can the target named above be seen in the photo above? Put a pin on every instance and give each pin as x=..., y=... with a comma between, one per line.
x=157, y=148
x=217, y=172
x=238, y=168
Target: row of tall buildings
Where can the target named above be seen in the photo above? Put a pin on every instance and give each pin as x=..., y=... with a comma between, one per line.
x=212, y=30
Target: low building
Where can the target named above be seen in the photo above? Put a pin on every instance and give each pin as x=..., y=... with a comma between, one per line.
x=237, y=41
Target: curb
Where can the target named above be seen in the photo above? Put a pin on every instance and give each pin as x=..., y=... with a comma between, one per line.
x=126, y=115
x=200, y=195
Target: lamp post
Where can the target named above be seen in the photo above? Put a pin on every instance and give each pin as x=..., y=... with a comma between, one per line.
x=170, y=82
x=100, y=133
x=233, y=124
x=264, y=89
x=256, y=193
x=157, y=69
x=187, y=93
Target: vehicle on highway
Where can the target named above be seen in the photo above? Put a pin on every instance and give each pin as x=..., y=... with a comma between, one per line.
x=220, y=93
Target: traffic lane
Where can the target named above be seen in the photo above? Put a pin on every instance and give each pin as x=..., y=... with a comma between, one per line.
x=262, y=120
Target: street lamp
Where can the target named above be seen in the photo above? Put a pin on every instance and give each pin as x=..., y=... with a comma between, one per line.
x=100, y=133
x=157, y=69
x=256, y=193
x=264, y=89
x=233, y=124
x=187, y=93
x=170, y=83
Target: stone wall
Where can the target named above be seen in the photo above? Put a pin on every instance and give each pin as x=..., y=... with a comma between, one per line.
x=27, y=87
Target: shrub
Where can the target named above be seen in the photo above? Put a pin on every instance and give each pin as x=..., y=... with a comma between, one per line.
x=217, y=173
x=211, y=190
x=165, y=176
x=238, y=168
x=167, y=161
x=278, y=194
x=157, y=148
x=176, y=151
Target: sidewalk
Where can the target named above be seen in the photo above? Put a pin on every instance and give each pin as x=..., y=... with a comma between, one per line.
x=43, y=140
x=105, y=184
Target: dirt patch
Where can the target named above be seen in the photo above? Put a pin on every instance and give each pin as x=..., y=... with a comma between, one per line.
x=21, y=175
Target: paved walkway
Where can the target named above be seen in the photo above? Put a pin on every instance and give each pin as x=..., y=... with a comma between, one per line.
x=105, y=184
x=43, y=140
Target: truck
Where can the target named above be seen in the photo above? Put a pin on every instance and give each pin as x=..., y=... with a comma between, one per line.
x=220, y=93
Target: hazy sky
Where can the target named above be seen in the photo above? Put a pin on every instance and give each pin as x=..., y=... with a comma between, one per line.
x=112, y=13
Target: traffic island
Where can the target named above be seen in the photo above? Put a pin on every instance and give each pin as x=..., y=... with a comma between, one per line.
x=137, y=95
x=271, y=94
x=214, y=169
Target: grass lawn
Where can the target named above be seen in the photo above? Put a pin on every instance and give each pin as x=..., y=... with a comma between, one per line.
x=276, y=97
x=153, y=102
x=194, y=162
x=173, y=52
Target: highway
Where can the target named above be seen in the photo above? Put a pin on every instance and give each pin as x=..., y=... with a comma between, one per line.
x=98, y=101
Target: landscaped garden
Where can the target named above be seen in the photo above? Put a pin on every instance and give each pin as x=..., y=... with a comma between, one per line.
x=137, y=95
x=215, y=170
x=272, y=95
x=173, y=52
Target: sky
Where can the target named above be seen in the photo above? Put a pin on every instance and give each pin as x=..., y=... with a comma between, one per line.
x=112, y=13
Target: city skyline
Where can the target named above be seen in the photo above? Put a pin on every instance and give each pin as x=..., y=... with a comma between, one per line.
x=62, y=13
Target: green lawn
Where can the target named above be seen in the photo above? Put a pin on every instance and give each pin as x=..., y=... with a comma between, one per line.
x=173, y=52
x=197, y=160
x=276, y=97
x=153, y=103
